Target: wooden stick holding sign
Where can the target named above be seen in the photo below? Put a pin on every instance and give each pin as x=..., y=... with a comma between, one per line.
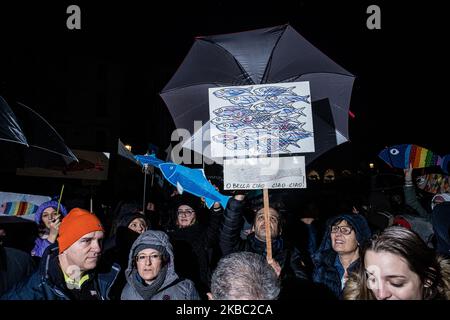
x=267, y=225
x=59, y=200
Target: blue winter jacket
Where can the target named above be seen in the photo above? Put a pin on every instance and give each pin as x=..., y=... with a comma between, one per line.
x=325, y=271
x=41, y=285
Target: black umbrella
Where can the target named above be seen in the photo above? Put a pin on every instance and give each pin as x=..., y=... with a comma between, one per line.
x=269, y=55
x=24, y=126
x=9, y=126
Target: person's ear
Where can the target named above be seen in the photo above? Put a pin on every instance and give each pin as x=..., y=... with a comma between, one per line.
x=210, y=296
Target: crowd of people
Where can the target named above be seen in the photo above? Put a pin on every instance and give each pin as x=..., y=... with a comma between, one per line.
x=325, y=246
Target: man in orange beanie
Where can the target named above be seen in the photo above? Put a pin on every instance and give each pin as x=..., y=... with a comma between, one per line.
x=67, y=271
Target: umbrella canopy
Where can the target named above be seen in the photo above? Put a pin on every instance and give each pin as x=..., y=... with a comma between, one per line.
x=9, y=126
x=20, y=124
x=270, y=55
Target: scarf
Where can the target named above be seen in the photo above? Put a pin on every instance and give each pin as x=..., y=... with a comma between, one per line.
x=147, y=291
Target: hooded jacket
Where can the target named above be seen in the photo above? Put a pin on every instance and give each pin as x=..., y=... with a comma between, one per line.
x=445, y=197
x=324, y=259
x=15, y=265
x=47, y=283
x=172, y=288
x=41, y=243
x=441, y=226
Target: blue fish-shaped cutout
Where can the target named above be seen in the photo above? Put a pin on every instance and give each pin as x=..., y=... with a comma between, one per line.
x=404, y=155
x=193, y=181
x=149, y=160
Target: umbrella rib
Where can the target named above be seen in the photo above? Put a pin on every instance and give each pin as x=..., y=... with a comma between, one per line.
x=303, y=74
x=230, y=84
x=55, y=152
x=54, y=131
x=269, y=63
x=43, y=119
x=15, y=141
x=195, y=84
x=244, y=72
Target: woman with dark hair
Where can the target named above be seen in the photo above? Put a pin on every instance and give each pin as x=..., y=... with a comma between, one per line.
x=195, y=244
x=117, y=247
x=48, y=221
x=339, y=253
x=151, y=274
x=398, y=265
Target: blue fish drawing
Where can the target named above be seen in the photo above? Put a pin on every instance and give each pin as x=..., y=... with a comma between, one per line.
x=295, y=135
x=186, y=179
x=231, y=92
x=265, y=107
x=282, y=125
x=289, y=111
x=224, y=137
x=273, y=91
x=221, y=120
x=244, y=100
x=287, y=99
x=241, y=143
x=194, y=182
x=232, y=111
x=234, y=125
x=273, y=144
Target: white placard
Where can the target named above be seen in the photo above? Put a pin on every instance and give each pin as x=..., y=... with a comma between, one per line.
x=261, y=119
x=260, y=173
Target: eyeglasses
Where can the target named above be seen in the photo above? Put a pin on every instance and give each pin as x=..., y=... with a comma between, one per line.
x=345, y=230
x=186, y=213
x=142, y=258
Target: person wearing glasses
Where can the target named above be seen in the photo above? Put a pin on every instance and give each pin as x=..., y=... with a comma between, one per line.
x=339, y=252
x=117, y=247
x=398, y=265
x=195, y=241
x=151, y=274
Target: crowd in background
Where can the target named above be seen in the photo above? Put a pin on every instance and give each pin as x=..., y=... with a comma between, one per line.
x=347, y=236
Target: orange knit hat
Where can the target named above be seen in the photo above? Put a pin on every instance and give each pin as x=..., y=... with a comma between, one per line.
x=76, y=224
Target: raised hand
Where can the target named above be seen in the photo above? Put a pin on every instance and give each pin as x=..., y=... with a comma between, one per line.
x=54, y=229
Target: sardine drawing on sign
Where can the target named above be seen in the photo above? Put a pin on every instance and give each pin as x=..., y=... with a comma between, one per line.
x=280, y=112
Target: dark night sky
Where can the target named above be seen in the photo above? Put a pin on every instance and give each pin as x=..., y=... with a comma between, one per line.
x=399, y=96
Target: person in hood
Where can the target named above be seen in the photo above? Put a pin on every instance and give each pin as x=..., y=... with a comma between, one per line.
x=48, y=221
x=117, y=247
x=339, y=252
x=439, y=198
x=151, y=275
x=68, y=269
x=441, y=225
x=15, y=265
x=398, y=265
x=195, y=243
